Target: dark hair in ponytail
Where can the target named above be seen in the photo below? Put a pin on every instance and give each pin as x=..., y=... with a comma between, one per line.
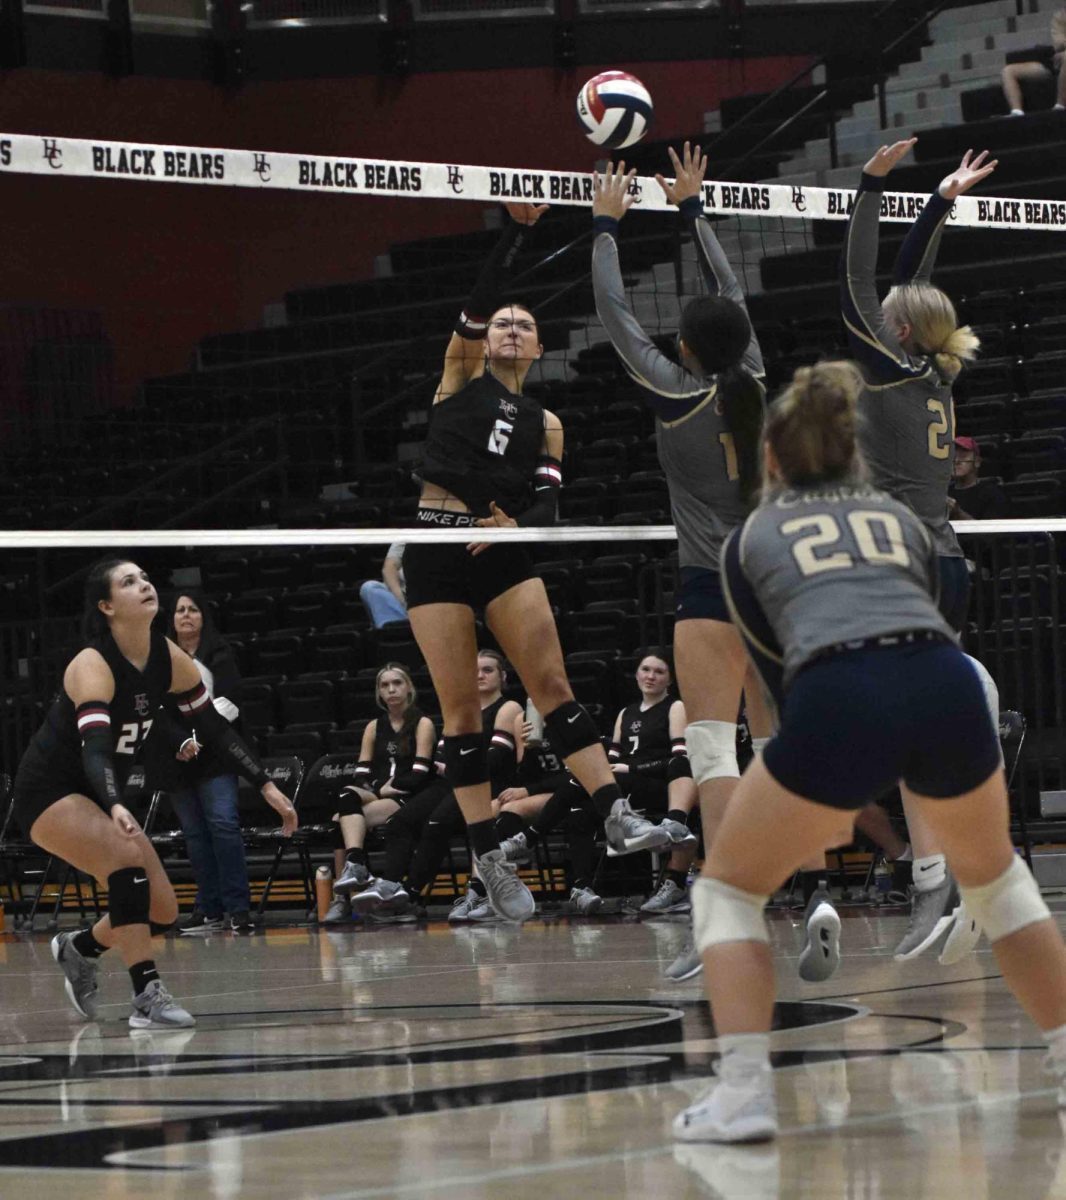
x=740, y=400
x=94, y=625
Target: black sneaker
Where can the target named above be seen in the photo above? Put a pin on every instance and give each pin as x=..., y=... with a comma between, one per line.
x=241, y=922
x=200, y=923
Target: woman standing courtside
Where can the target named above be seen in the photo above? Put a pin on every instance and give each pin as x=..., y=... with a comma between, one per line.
x=68, y=790
x=492, y=457
x=832, y=583
x=708, y=416
x=910, y=349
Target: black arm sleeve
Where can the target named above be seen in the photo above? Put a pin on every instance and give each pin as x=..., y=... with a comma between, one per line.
x=473, y=322
x=98, y=761
x=652, y=768
x=216, y=733
x=415, y=777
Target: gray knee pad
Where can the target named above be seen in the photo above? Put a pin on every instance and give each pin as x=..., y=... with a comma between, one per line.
x=721, y=913
x=1008, y=903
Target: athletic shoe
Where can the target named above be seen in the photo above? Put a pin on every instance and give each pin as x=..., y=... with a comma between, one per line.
x=407, y=916
x=241, y=922
x=753, y=1172
x=627, y=832
x=680, y=835
x=668, y=899
x=340, y=910
x=382, y=895
x=81, y=984
x=688, y=963
x=931, y=915
x=732, y=1111
x=354, y=878
x=516, y=849
x=199, y=924
x=584, y=901
x=464, y=905
x=483, y=913
x=820, y=955
x=155, y=1008
x=962, y=939
x=508, y=895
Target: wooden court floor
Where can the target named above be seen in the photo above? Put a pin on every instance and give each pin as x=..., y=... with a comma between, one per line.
x=448, y=1063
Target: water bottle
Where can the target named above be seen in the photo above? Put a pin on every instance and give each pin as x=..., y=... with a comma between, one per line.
x=882, y=880
x=536, y=720
x=323, y=891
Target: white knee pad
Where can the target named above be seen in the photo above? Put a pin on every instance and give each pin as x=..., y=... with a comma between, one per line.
x=1008, y=903
x=758, y=745
x=721, y=913
x=712, y=750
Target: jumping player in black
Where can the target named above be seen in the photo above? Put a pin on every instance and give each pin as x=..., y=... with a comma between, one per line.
x=68, y=790
x=492, y=457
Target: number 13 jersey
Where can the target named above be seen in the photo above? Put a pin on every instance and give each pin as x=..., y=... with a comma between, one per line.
x=483, y=445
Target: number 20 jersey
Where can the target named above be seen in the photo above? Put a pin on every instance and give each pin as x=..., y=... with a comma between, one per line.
x=483, y=445
x=838, y=563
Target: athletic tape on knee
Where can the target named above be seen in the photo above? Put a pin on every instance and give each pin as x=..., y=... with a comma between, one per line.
x=712, y=750
x=1008, y=903
x=128, y=897
x=466, y=760
x=158, y=928
x=721, y=913
x=570, y=729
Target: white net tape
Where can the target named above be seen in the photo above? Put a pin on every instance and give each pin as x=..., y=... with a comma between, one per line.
x=230, y=538
x=59, y=157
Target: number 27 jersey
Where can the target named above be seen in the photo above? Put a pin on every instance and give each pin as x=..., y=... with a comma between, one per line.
x=835, y=563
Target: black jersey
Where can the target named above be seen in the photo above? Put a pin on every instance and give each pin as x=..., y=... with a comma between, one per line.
x=541, y=769
x=483, y=445
x=394, y=753
x=645, y=733
x=55, y=750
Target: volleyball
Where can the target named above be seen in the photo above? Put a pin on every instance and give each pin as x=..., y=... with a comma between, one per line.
x=614, y=109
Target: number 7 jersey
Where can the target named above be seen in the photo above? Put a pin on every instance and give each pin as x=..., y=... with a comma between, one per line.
x=834, y=563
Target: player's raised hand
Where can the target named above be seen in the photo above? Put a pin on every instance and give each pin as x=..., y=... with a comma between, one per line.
x=887, y=157
x=526, y=214
x=611, y=196
x=967, y=174
x=689, y=170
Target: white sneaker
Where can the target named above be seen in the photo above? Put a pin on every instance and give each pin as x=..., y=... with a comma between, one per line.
x=820, y=956
x=963, y=938
x=732, y=1111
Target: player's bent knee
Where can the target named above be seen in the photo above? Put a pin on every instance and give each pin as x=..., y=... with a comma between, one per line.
x=129, y=896
x=712, y=750
x=570, y=729
x=1008, y=903
x=721, y=913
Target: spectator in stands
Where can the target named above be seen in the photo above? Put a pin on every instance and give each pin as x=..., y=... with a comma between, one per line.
x=971, y=498
x=395, y=762
x=416, y=837
x=206, y=801
x=1038, y=63
x=385, y=600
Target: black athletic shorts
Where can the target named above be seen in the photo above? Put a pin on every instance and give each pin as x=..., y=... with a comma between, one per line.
x=447, y=573
x=856, y=722
x=37, y=788
x=700, y=596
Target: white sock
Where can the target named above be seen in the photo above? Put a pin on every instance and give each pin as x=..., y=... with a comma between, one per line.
x=1017, y=112
x=1056, y=1042
x=743, y=1055
x=929, y=872
x=758, y=745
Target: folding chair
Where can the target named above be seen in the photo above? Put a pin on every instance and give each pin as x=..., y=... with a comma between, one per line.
x=287, y=773
x=1012, y=739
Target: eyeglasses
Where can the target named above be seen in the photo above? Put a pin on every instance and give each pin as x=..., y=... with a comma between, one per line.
x=503, y=325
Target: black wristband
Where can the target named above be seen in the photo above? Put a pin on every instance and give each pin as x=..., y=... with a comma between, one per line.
x=605, y=224
x=691, y=208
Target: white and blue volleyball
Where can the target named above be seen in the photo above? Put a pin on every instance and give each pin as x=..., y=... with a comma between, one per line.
x=614, y=109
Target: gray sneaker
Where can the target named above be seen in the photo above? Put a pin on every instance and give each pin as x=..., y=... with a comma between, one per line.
x=464, y=905
x=382, y=895
x=508, y=895
x=155, y=1008
x=668, y=899
x=81, y=984
x=353, y=878
x=627, y=832
x=932, y=914
x=340, y=910
x=516, y=849
x=688, y=963
x=680, y=835
x=200, y=925
x=483, y=913
x=820, y=955
x=584, y=901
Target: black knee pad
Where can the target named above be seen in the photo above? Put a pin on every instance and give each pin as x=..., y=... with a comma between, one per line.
x=678, y=768
x=350, y=803
x=583, y=820
x=156, y=928
x=570, y=729
x=129, y=897
x=466, y=760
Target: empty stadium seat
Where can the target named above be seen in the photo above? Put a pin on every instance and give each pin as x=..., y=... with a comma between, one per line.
x=307, y=700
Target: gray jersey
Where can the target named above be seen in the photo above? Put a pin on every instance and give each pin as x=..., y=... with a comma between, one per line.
x=695, y=446
x=837, y=563
x=906, y=414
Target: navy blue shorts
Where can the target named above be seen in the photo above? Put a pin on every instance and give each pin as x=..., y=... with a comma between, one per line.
x=954, y=591
x=855, y=723
x=700, y=596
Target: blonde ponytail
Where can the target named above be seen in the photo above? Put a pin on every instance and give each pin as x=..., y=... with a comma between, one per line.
x=934, y=325
x=812, y=425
